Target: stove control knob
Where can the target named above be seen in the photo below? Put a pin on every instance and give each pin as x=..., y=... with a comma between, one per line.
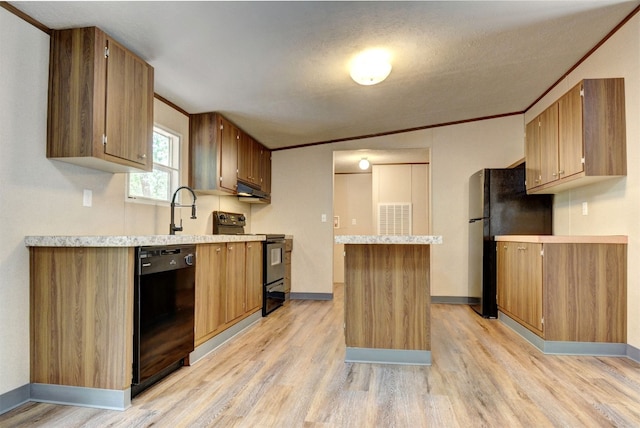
x=242, y=218
x=223, y=216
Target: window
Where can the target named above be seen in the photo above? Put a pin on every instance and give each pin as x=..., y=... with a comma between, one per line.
x=159, y=184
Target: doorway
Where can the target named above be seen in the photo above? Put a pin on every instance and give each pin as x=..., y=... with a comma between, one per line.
x=390, y=196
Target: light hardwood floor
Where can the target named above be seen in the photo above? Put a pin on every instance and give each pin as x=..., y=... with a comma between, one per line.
x=288, y=370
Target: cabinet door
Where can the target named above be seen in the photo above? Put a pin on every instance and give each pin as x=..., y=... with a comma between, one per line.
x=529, y=290
x=210, y=300
x=254, y=275
x=229, y=139
x=249, y=160
x=245, y=152
x=236, y=291
x=265, y=170
x=204, y=151
x=129, y=116
x=519, y=282
x=532, y=153
x=288, y=247
x=287, y=272
x=570, y=141
x=256, y=163
x=505, y=276
x=549, y=144
x=604, y=127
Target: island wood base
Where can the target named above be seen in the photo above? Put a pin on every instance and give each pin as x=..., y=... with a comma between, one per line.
x=387, y=307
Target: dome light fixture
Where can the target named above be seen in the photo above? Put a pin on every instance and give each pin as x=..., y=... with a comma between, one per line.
x=370, y=67
x=363, y=164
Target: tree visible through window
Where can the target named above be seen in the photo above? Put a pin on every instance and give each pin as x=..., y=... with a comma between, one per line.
x=159, y=184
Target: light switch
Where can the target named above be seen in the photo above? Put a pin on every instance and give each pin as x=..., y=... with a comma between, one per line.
x=87, y=198
x=585, y=209
x=323, y=218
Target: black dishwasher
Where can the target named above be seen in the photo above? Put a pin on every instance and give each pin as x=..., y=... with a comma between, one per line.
x=164, y=298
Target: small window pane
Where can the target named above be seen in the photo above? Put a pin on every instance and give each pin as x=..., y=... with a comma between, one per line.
x=152, y=185
x=161, y=149
x=159, y=184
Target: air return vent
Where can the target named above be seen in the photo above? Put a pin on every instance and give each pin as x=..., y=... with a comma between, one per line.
x=394, y=219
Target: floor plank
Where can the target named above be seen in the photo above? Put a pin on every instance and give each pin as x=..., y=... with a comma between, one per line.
x=288, y=370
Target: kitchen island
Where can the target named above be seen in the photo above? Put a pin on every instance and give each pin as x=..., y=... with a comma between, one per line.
x=387, y=298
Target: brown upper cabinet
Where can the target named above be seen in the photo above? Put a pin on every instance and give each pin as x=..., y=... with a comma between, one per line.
x=100, y=103
x=213, y=153
x=579, y=139
x=249, y=161
x=265, y=171
x=222, y=154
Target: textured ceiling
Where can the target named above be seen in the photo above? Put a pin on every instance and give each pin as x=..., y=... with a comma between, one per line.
x=279, y=70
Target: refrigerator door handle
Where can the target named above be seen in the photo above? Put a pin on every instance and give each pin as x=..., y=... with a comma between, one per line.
x=473, y=220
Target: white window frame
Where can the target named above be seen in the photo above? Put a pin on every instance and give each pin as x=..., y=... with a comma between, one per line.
x=175, y=171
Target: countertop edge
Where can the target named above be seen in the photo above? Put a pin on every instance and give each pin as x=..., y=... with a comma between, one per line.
x=134, y=240
x=564, y=239
x=389, y=239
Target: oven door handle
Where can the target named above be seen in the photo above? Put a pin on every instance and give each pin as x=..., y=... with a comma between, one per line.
x=170, y=251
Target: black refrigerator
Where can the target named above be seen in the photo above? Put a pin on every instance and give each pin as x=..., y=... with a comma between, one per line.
x=499, y=205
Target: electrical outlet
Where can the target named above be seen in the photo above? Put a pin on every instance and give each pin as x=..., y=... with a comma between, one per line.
x=323, y=218
x=585, y=208
x=353, y=221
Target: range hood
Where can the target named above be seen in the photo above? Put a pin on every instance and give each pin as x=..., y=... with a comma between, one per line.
x=252, y=195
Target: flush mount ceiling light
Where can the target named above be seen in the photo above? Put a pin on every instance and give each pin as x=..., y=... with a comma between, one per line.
x=363, y=164
x=370, y=67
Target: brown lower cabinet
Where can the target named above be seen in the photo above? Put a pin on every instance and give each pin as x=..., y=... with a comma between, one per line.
x=81, y=306
x=575, y=292
x=520, y=283
x=82, y=316
x=228, y=286
x=253, y=275
x=288, y=247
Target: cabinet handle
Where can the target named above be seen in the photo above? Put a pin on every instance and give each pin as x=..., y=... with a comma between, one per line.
x=218, y=250
x=554, y=174
x=142, y=156
x=230, y=248
x=522, y=248
x=561, y=171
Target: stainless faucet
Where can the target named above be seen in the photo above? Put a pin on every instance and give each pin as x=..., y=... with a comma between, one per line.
x=172, y=227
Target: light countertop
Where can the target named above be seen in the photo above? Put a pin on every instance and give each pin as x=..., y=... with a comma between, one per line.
x=564, y=239
x=389, y=239
x=133, y=240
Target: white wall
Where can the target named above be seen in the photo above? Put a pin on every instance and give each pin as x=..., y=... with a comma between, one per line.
x=614, y=205
x=39, y=196
x=23, y=105
x=352, y=196
x=302, y=191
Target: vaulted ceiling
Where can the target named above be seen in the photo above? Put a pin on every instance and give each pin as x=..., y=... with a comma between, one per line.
x=279, y=70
